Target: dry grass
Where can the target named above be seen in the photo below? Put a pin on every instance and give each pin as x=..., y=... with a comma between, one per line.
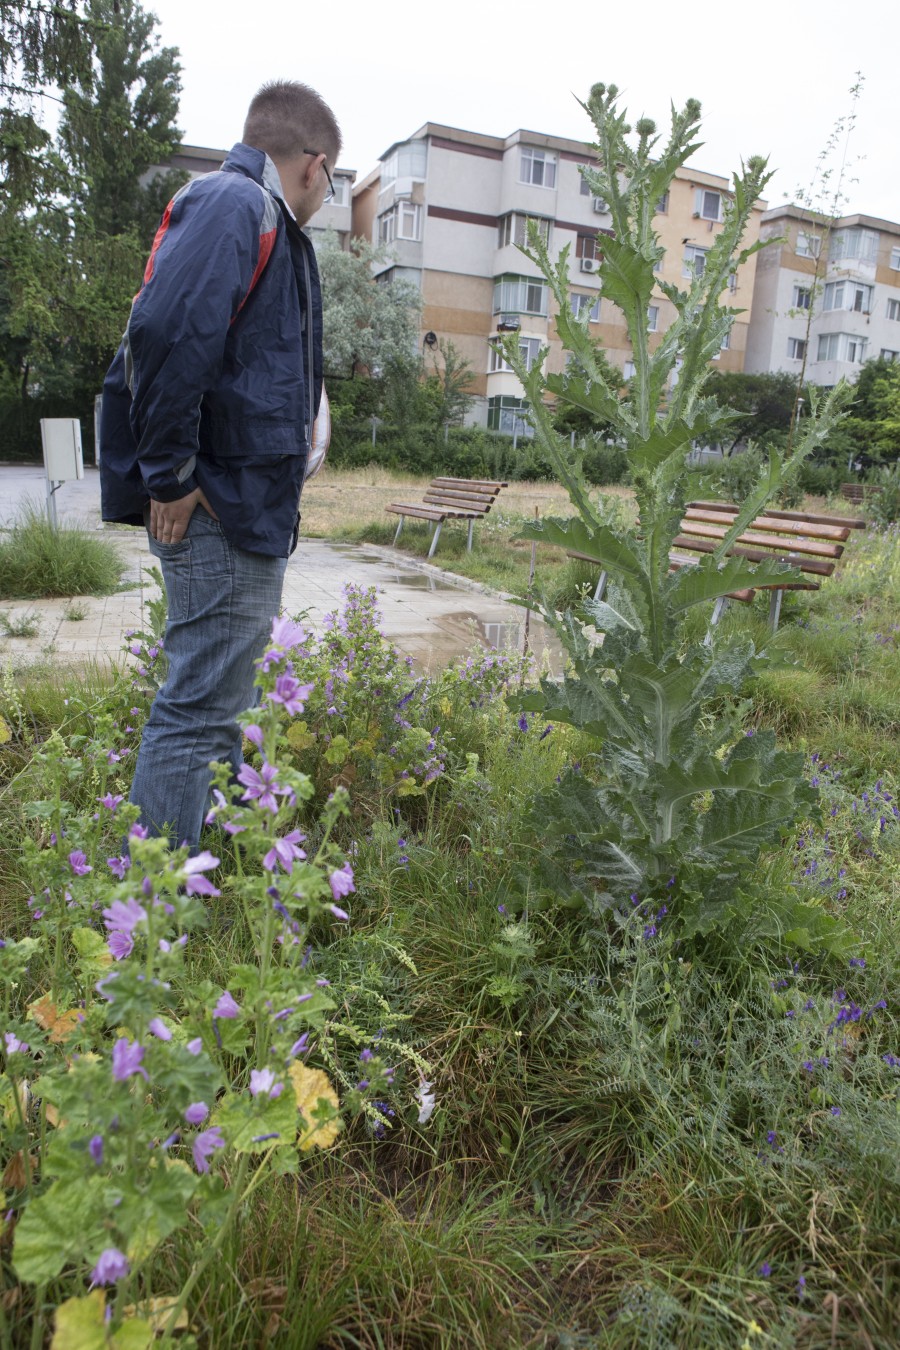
x=345, y=500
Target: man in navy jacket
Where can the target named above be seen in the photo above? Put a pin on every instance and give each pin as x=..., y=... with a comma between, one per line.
x=206, y=425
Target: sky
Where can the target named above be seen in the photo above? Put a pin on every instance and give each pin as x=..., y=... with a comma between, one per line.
x=772, y=80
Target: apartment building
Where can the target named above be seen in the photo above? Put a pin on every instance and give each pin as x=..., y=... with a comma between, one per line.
x=196, y=160
x=827, y=291
x=451, y=206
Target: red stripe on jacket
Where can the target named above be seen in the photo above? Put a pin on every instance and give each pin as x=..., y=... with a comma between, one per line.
x=266, y=244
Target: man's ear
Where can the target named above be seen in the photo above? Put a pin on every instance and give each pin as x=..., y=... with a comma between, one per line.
x=313, y=167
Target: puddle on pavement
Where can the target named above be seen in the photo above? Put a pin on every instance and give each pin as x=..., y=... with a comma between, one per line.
x=457, y=634
x=419, y=581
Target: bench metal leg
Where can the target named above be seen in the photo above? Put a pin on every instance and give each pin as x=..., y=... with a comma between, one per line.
x=775, y=610
x=601, y=587
x=435, y=537
x=719, y=609
x=399, y=528
x=469, y=544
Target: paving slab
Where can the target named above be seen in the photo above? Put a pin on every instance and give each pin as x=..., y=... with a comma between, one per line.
x=428, y=614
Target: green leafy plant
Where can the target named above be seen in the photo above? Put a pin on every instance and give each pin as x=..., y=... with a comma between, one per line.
x=676, y=801
x=38, y=560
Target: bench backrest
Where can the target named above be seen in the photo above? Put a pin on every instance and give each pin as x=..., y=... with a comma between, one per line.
x=813, y=543
x=472, y=495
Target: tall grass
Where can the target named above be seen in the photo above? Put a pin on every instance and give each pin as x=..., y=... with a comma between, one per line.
x=37, y=560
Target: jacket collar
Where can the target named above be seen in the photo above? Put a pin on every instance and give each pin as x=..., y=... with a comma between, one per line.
x=257, y=165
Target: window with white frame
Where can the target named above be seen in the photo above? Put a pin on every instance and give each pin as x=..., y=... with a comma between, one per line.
x=708, y=205
x=402, y=221
x=341, y=192
x=854, y=243
x=808, y=245
x=726, y=342
x=581, y=302
x=652, y=318
x=404, y=161
x=528, y=350
x=893, y=309
x=888, y=355
x=842, y=347
x=520, y=295
x=628, y=370
x=505, y=413
x=694, y=262
x=895, y=259
x=586, y=246
x=802, y=297
x=662, y=206
x=513, y=229
x=537, y=167
x=796, y=348
x=586, y=190
x=848, y=295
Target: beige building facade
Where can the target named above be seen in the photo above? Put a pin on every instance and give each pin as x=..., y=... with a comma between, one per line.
x=450, y=207
x=827, y=292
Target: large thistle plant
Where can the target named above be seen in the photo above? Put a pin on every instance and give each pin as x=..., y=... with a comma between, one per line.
x=676, y=790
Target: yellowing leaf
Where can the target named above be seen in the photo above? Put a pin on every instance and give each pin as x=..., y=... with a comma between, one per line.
x=314, y=1093
x=155, y=1313
x=59, y=1024
x=300, y=737
x=5, y=733
x=79, y=1323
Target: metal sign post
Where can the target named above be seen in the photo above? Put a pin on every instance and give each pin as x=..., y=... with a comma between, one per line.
x=63, y=461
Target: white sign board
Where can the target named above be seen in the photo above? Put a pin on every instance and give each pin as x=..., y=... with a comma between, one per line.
x=62, y=448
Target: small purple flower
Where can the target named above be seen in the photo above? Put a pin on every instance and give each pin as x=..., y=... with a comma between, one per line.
x=858, y=961
x=226, y=1007
x=290, y=693
x=765, y=1270
x=835, y=1110
x=79, y=863
x=112, y=1265
x=13, y=1045
x=522, y=722
x=110, y=802
x=95, y=1148
x=255, y=735
x=341, y=881
x=196, y=883
x=284, y=852
x=286, y=633
x=195, y=1046
x=126, y=1059
x=801, y=1287
x=121, y=945
x=338, y=914
x=205, y=1144
x=262, y=786
x=196, y=1113
x=124, y=916
x=263, y=1081
x=158, y=1028
x=119, y=866
x=299, y=1046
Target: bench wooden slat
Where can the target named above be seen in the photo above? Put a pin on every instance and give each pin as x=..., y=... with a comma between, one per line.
x=491, y=484
x=447, y=498
x=414, y=509
x=818, y=548
x=459, y=503
x=774, y=524
x=818, y=566
x=809, y=517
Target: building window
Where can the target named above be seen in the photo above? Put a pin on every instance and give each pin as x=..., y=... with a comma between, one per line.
x=341, y=192
x=802, y=297
x=537, y=167
x=797, y=349
x=662, y=206
x=505, y=414
x=708, y=205
x=591, y=303
x=726, y=342
x=520, y=295
x=586, y=246
x=628, y=370
x=888, y=355
x=405, y=161
x=848, y=295
x=694, y=263
x=528, y=350
x=895, y=259
x=834, y=295
x=856, y=243
x=587, y=191
x=652, y=318
x=513, y=229
x=808, y=245
x=403, y=221
x=842, y=347
x=893, y=309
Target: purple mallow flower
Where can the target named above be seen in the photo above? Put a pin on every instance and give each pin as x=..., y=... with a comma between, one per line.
x=263, y=1081
x=111, y=802
x=196, y=883
x=290, y=693
x=95, y=1148
x=79, y=863
x=112, y=1265
x=13, y=1045
x=126, y=1059
x=196, y=1113
x=119, y=866
x=195, y=1046
x=158, y=1028
x=285, y=851
x=262, y=786
x=205, y=1145
x=226, y=1007
x=341, y=881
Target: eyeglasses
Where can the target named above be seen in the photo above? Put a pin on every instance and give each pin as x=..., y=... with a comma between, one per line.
x=329, y=195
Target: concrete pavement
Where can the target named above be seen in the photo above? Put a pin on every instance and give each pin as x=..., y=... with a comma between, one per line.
x=425, y=612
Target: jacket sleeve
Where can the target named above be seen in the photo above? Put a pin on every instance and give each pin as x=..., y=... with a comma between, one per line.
x=198, y=275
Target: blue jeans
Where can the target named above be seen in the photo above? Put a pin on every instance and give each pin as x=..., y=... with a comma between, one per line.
x=221, y=602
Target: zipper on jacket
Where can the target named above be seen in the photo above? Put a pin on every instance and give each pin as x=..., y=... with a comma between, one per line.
x=310, y=381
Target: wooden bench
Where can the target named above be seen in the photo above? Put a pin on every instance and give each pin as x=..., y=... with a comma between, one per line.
x=858, y=492
x=810, y=542
x=450, y=499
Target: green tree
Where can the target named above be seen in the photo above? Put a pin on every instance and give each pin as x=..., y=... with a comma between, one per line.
x=450, y=379
x=121, y=121
x=761, y=404
x=368, y=325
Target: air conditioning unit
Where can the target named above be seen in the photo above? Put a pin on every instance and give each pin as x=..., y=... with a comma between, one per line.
x=601, y=206
x=590, y=265
x=509, y=323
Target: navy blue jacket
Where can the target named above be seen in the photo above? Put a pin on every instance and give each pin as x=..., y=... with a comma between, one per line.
x=217, y=382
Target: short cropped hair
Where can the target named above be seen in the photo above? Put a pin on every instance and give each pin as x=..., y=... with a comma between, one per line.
x=286, y=118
